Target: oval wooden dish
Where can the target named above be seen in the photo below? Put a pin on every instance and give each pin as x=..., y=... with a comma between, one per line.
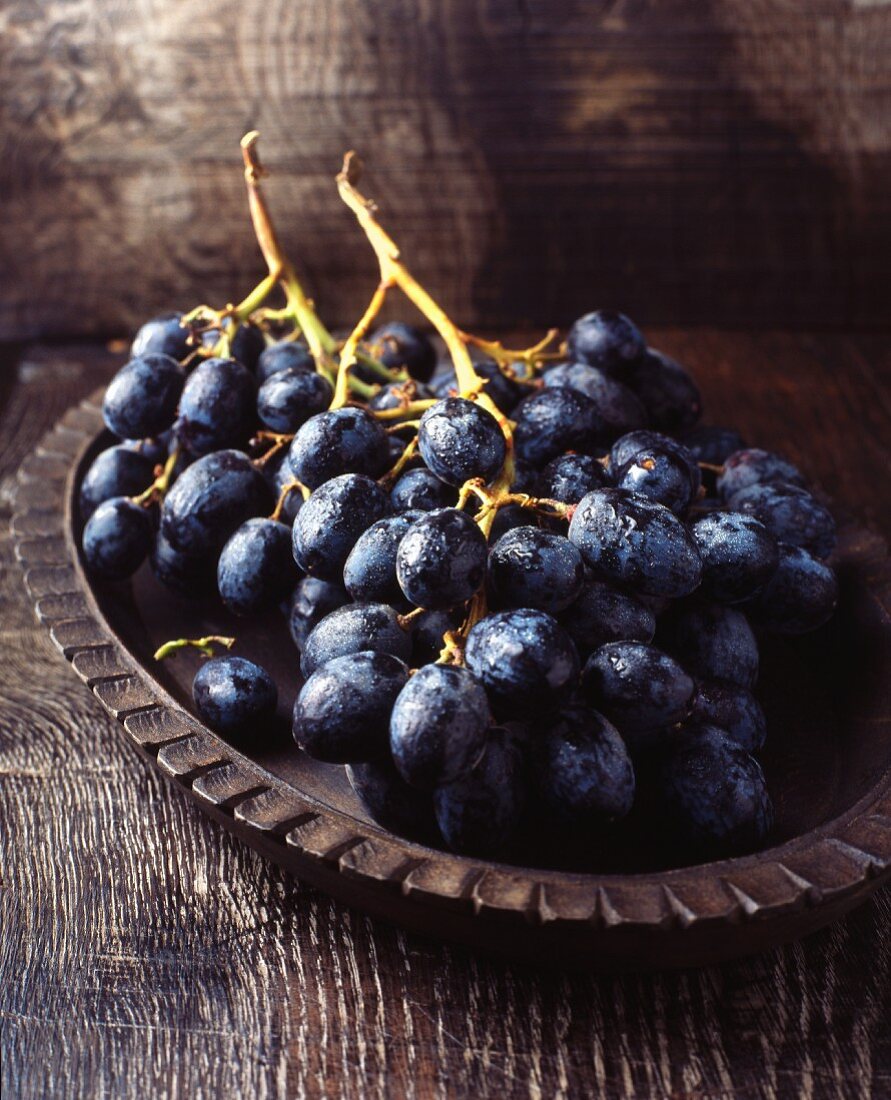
x=828, y=700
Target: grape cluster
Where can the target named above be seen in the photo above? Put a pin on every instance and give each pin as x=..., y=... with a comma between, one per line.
x=524, y=591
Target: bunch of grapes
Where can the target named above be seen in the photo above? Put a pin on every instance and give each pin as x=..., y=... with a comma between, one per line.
x=525, y=585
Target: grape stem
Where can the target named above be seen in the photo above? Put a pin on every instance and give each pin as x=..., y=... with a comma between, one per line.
x=159, y=487
x=204, y=646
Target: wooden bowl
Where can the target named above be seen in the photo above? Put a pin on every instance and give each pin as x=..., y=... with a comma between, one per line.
x=828, y=762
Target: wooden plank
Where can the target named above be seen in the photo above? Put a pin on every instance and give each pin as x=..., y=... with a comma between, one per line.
x=145, y=952
x=721, y=163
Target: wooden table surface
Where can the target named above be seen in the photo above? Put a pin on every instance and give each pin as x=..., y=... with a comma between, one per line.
x=144, y=952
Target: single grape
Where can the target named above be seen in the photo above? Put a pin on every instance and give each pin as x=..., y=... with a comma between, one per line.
x=341, y=441
x=792, y=514
x=638, y=687
x=141, y=399
x=739, y=556
x=212, y=498
x=233, y=695
x=659, y=475
x=459, y=439
x=256, y=568
x=711, y=444
x=523, y=658
x=155, y=449
x=188, y=575
x=399, y=345
x=288, y=355
x=330, y=522
x=568, y=478
x=441, y=560
x=479, y=812
x=438, y=725
x=288, y=398
x=342, y=714
x=395, y=395
x=634, y=542
x=370, y=571
x=713, y=643
x=618, y=407
x=217, y=407
x=421, y=490
x=714, y=795
x=529, y=567
x=162, y=335
x=584, y=776
x=390, y=801
x=667, y=392
x=118, y=471
x=427, y=633
x=607, y=340
x=116, y=539
x=311, y=600
x=355, y=628
x=556, y=420
x=752, y=466
x=603, y=614
x=731, y=708
x=800, y=596
x=628, y=447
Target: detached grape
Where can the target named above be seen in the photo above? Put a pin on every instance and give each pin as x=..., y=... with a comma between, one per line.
x=234, y=696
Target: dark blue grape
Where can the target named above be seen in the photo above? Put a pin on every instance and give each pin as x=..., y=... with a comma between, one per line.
x=712, y=444
x=355, y=628
x=459, y=440
x=116, y=472
x=188, y=575
x=629, y=446
x=329, y=523
x=478, y=813
x=659, y=475
x=800, y=596
x=739, y=556
x=256, y=568
x=584, y=776
x=395, y=395
x=117, y=538
x=342, y=441
x=288, y=355
x=619, y=408
x=556, y=420
x=370, y=571
x=441, y=560
x=638, y=687
x=427, y=633
x=234, y=696
x=713, y=643
x=568, y=478
x=714, y=795
x=342, y=714
x=210, y=499
x=141, y=399
x=529, y=567
x=400, y=345
x=508, y=518
x=162, y=335
x=634, y=542
x=604, y=614
x=523, y=658
x=290, y=397
x=217, y=407
x=668, y=394
x=743, y=469
x=311, y=600
x=792, y=514
x=390, y=801
x=438, y=726
x=607, y=340
x=732, y=709
x=155, y=449
x=421, y=490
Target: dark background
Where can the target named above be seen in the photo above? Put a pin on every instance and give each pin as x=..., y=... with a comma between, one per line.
x=691, y=161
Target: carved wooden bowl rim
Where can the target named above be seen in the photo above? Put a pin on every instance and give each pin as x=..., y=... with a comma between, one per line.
x=847, y=856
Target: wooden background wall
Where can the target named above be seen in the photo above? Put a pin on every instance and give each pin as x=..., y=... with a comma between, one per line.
x=725, y=161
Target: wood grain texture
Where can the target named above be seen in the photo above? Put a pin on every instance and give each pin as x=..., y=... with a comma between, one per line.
x=144, y=952
x=689, y=160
